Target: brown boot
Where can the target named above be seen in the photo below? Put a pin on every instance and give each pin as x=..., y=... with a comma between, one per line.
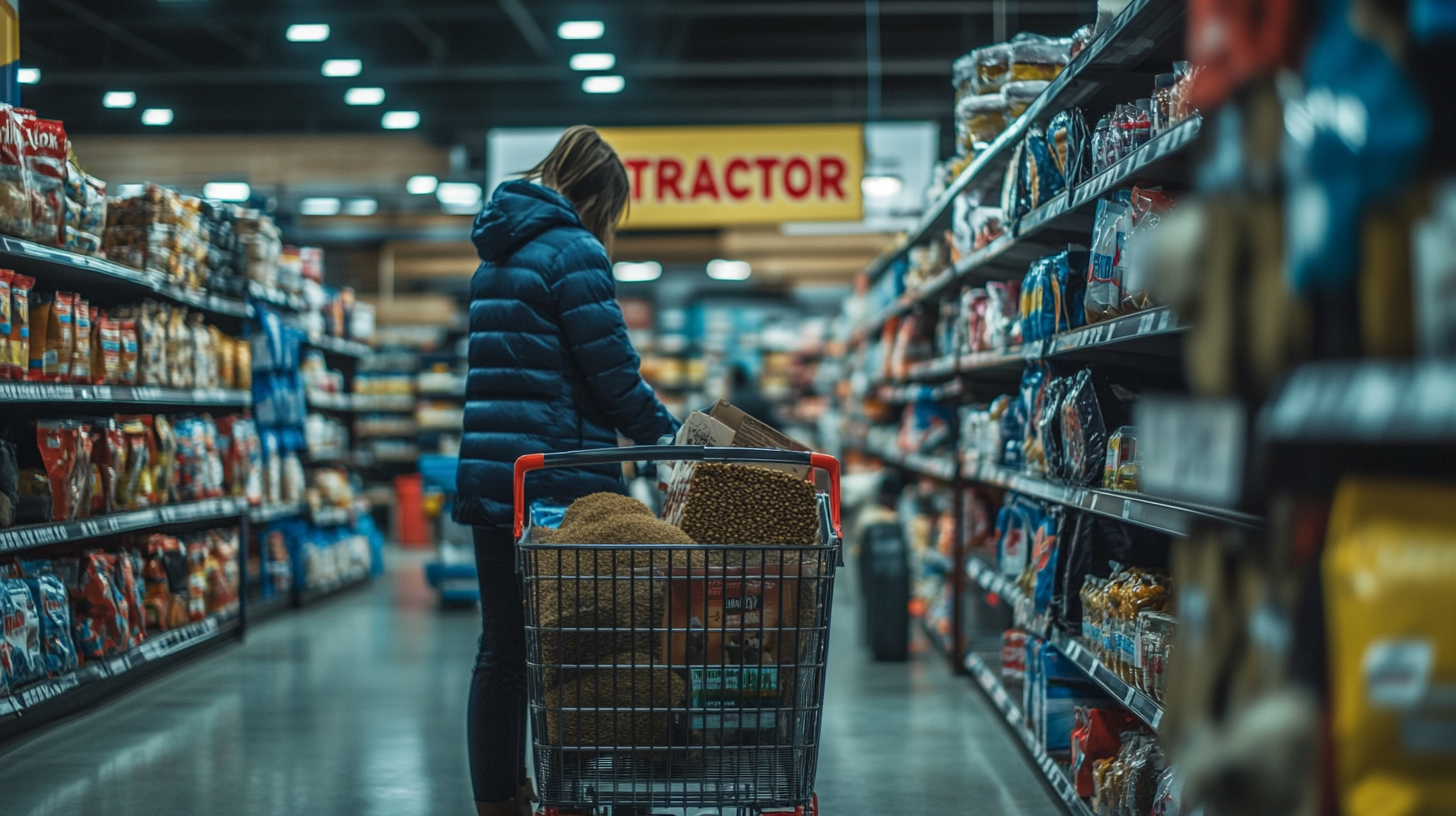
x=526, y=796
x=508, y=807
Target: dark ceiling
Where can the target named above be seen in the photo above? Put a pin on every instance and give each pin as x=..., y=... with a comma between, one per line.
x=224, y=66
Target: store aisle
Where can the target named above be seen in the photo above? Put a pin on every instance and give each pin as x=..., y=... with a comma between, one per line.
x=357, y=707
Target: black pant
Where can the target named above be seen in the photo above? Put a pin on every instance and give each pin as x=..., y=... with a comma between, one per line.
x=497, y=713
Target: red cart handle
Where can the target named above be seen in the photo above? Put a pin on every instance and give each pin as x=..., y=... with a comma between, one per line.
x=678, y=453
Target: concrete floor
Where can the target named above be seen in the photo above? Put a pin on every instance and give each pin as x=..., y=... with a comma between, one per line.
x=357, y=706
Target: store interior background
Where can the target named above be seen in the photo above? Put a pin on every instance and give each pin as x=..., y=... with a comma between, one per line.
x=1279, y=419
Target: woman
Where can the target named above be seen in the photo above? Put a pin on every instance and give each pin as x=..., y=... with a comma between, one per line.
x=551, y=369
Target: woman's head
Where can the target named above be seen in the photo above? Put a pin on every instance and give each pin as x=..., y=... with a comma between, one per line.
x=587, y=171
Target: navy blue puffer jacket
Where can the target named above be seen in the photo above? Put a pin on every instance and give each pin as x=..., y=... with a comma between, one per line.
x=551, y=368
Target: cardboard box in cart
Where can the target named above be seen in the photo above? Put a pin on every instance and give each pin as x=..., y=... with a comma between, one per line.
x=725, y=426
x=734, y=626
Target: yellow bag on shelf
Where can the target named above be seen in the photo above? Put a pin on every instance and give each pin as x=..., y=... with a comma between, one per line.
x=1390, y=604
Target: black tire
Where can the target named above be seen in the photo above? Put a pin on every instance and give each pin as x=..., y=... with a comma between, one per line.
x=885, y=581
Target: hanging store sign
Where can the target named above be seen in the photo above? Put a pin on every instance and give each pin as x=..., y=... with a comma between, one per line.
x=718, y=176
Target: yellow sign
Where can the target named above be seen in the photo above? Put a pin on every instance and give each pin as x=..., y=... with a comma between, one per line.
x=716, y=176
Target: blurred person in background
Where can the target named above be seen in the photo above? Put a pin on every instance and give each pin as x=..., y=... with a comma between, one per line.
x=744, y=393
x=551, y=369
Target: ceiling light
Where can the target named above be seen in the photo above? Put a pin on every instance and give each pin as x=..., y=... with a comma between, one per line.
x=400, y=120
x=881, y=186
x=118, y=99
x=343, y=67
x=319, y=206
x=458, y=193
x=606, y=83
x=361, y=206
x=307, y=32
x=27, y=76
x=157, y=116
x=421, y=185
x=629, y=272
x=581, y=30
x=729, y=270
x=227, y=191
x=364, y=96
x=593, y=62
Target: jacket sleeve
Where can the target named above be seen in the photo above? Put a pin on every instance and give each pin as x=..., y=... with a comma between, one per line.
x=595, y=336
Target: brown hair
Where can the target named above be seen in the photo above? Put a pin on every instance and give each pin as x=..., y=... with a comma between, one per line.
x=587, y=171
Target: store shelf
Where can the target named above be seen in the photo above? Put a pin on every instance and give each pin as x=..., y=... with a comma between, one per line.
x=1131, y=38
x=1365, y=402
x=917, y=393
x=1012, y=252
x=14, y=392
x=263, y=515
x=331, y=517
x=1053, y=772
x=325, y=456
x=1157, y=514
x=1131, y=698
x=114, y=672
x=384, y=403
x=1131, y=333
x=340, y=346
x=41, y=535
x=59, y=268
x=276, y=297
x=936, y=467
x=325, y=401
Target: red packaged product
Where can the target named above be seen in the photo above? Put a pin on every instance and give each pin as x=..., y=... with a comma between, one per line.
x=127, y=586
x=1096, y=734
x=197, y=555
x=17, y=360
x=101, y=626
x=1013, y=654
x=14, y=200
x=58, y=450
x=45, y=178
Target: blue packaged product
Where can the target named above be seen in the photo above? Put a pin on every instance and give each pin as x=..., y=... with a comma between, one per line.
x=1033, y=383
x=1037, y=302
x=1071, y=288
x=545, y=513
x=1105, y=288
x=21, y=661
x=1070, y=145
x=1041, y=177
x=1016, y=525
x=54, y=611
x=1044, y=562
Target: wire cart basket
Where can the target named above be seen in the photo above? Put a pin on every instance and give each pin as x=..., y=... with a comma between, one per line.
x=677, y=676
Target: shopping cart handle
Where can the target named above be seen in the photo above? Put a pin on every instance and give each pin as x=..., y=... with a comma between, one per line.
x=674, y=453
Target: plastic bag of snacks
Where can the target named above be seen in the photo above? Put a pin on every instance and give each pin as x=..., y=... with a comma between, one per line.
x=1071, y=145
x=1017, y=96
x=44, y=158
x=979, y=119
x=985, y=69
x=54, y=611
x=1104, y=270
x=15, y=364
x=21, y=660
x=1038, y=57
x=14, y=195
x=1041, y=178
x=1148, y=205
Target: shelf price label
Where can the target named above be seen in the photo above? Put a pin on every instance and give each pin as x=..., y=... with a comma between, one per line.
x=1192, y=449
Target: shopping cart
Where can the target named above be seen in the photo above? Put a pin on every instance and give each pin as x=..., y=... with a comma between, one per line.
x=678, y=677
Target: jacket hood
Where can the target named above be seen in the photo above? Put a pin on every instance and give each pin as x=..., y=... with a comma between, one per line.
x=518, y=212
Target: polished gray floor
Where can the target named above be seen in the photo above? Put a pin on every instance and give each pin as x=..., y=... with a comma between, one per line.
x=356, y=707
